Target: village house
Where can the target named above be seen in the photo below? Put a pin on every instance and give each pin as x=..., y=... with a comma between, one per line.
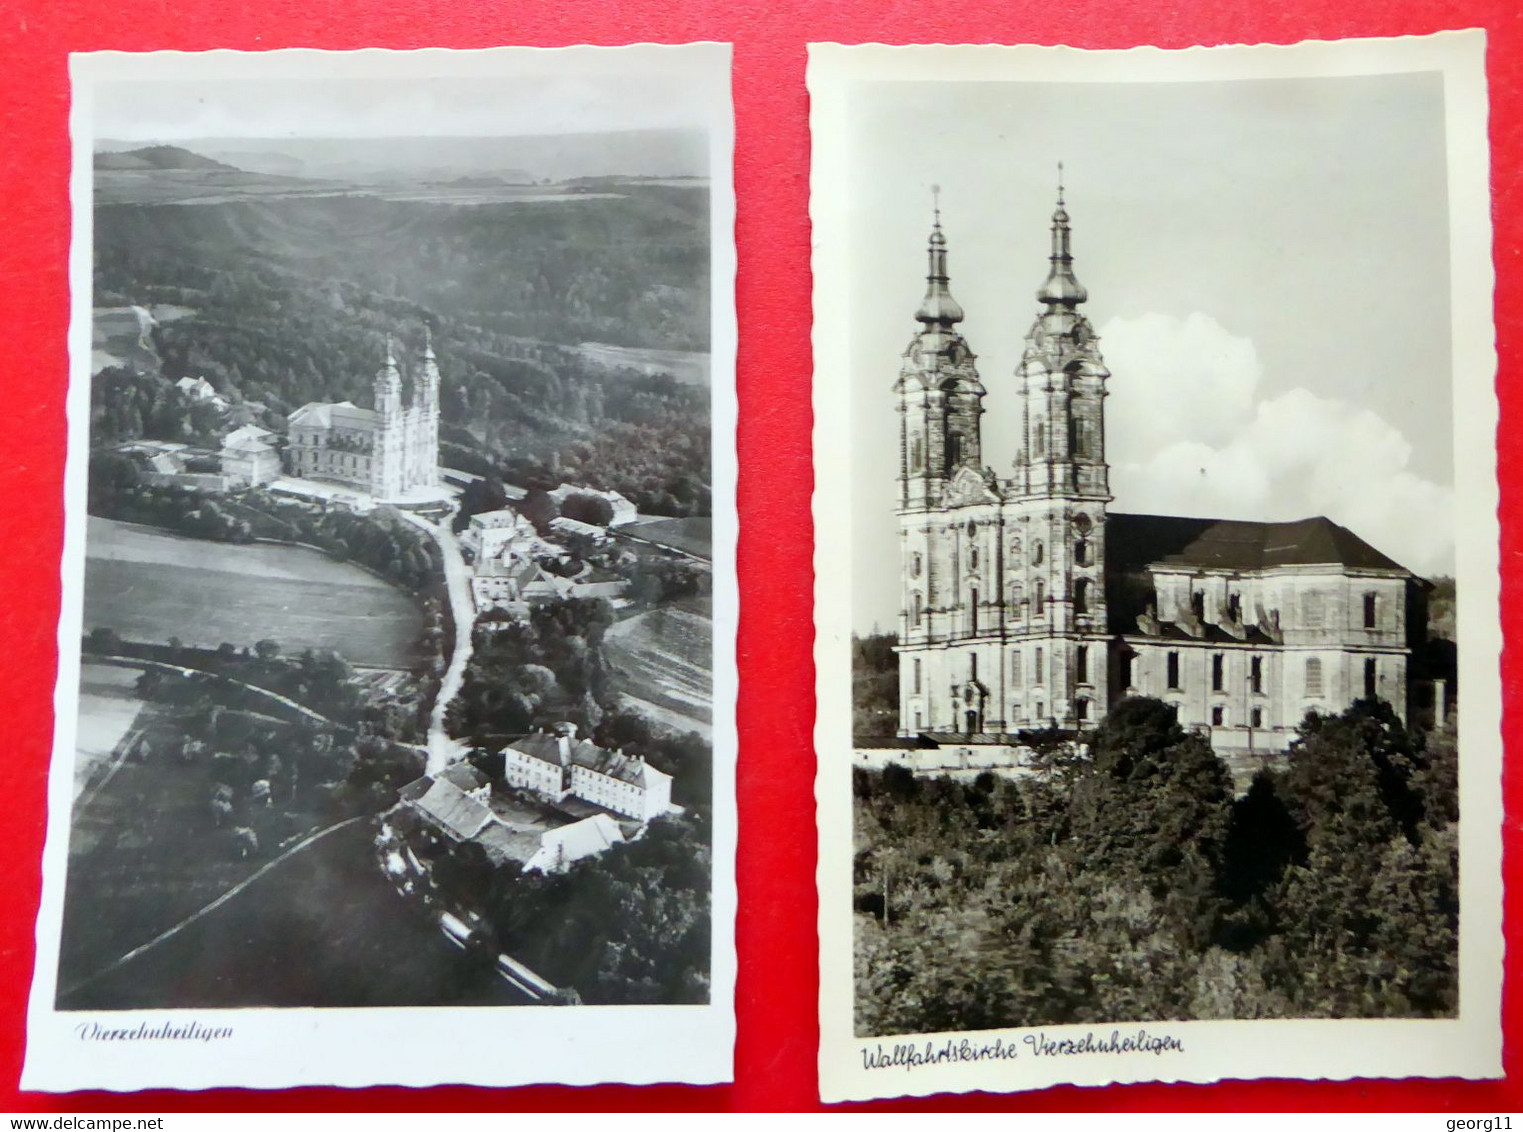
x=199, y=389
x=249, y=456
x=623, y=510
x=559, y=765
x=456, y=804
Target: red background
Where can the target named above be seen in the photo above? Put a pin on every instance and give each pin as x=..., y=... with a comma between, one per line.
x=776, y=993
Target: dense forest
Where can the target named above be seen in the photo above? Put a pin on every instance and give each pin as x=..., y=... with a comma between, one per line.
x=282, y=302
x=1132, y=886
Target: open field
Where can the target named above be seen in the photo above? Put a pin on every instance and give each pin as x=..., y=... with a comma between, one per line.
x=151, y=585
x=321, y=928
x=693, y=536
x=686, y=366
x=108, y=707
x=663, y=663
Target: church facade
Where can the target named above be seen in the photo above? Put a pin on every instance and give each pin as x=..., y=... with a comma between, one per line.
x=1027, y=603
x=386, y=451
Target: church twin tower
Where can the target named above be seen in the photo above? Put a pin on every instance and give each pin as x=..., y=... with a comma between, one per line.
x=1003, y=622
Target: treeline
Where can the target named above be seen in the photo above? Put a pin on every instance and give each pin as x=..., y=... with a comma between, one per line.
x=381, y=542
x=630, y=926
x=1131, y=885
x=874, y=687
x=632, y=270
x=317, y=679
x=128, y=405
x=293, y=301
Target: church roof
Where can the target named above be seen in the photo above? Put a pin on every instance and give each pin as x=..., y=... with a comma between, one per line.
x=330, y=414
x=1136, y=542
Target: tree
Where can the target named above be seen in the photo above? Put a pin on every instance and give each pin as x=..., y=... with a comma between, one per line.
x=587, y=507
x=1151, y=796
x=267, y=649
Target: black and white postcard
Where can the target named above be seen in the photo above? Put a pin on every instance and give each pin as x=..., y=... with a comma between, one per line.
x=1157, y=565
x=395, y=715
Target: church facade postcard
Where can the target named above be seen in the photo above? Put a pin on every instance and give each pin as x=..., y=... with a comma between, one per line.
x=395, y=735
x=1170, y=748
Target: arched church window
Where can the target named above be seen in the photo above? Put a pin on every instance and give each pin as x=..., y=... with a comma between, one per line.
x=1081, y=552
x=973, y=619
x=1079, y=437
x=1015, y=552
x=973, y=559
x=954, y=450
x=1313, y=677
x=1081, y=595
x=1036, y=554
x=1198, y=605
x=1039, y=437
x=1017, y=595
x=1038, y=599
x=972, y=528
x=915, y=609
x=915, y=566
x=917, y=453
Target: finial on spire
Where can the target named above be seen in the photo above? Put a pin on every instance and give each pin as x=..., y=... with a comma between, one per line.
x=391, y=352
x=938, y=308
x=1060, y=184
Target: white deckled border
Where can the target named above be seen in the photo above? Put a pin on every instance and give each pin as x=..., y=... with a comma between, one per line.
x=418, y=1046
x=1469, y=1046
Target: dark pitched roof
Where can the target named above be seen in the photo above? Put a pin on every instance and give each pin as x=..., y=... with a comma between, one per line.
x=463, y=775
x=1134, y=542
x=452, y=811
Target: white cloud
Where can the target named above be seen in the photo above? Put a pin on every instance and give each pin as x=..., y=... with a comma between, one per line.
x=1189, y=434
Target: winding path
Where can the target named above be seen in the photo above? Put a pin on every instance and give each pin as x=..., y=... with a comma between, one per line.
x=116, y=661
x=442, y=750
x=169, y=933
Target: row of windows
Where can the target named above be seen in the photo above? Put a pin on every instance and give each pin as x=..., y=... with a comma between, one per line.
x=1313, y=608
x=1083, y=601
x=1312, y=685
x=1083, y=556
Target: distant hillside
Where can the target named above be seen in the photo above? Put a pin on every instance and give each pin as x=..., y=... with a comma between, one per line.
x=158, y=157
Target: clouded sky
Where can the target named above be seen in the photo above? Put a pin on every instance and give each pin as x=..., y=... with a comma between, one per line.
x=1268, y=269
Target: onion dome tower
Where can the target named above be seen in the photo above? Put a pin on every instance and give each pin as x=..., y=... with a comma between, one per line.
x=939, y=393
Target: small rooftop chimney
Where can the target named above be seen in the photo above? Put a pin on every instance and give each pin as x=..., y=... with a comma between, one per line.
x=564, y=734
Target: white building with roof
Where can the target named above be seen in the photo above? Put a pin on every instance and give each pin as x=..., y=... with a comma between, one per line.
x=199, y=389
x=623, y=510
x=386, y=451
x=456, y=805
x=559, y=765
x=249, y=456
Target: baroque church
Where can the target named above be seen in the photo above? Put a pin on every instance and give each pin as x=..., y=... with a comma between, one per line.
x=386, y=451
x=1027, y=603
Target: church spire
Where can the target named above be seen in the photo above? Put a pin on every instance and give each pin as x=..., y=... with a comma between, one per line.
x=1062, y=287
x=938, y=308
